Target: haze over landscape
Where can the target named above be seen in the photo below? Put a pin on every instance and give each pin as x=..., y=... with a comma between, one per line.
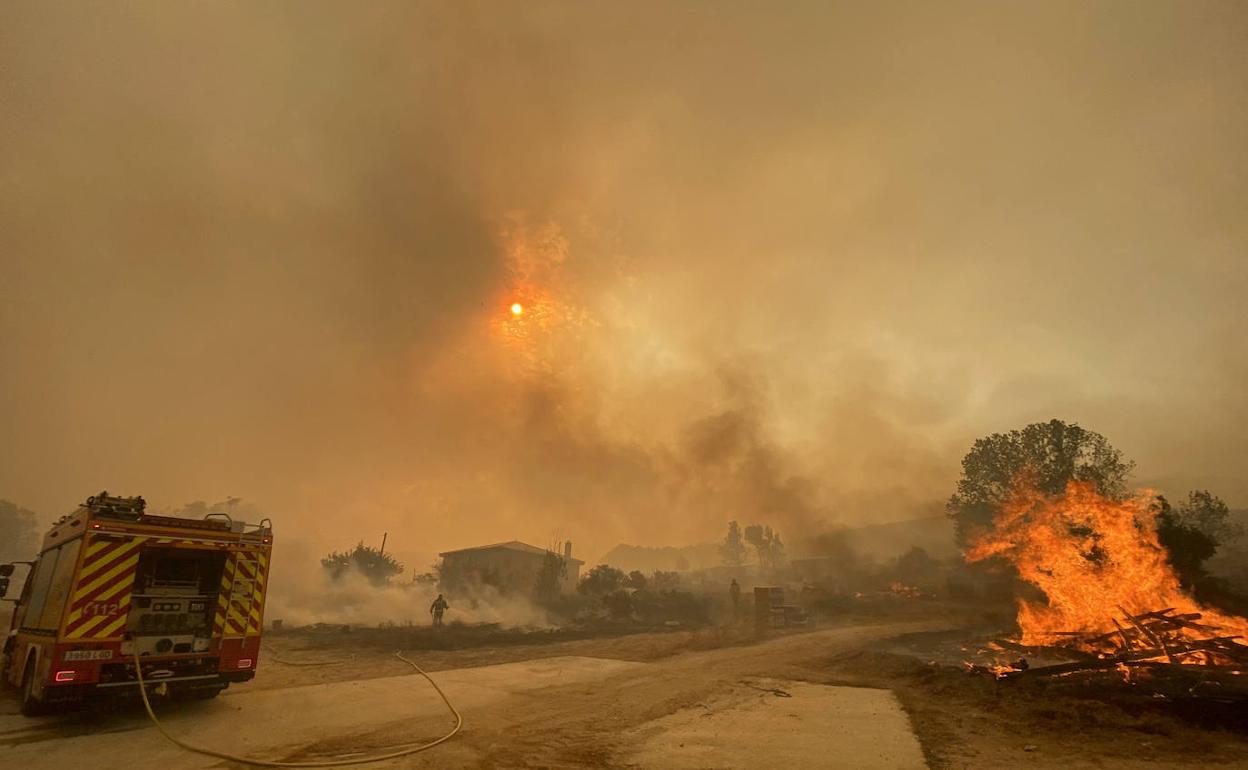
x=772, y=264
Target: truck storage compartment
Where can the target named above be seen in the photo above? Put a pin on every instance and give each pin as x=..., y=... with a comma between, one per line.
x=175, y=596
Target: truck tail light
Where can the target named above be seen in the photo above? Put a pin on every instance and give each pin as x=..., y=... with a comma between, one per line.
x=244, y=662
x=66, y=676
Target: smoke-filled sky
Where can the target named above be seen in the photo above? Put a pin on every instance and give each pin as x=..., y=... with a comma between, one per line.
x=778, y=262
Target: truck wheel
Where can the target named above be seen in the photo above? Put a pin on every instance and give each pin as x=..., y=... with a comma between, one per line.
x=31, y=705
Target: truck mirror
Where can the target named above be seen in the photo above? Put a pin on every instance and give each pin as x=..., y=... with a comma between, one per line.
x=6, y=570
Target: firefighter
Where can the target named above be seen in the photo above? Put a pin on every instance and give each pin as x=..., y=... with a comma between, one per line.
x=436, y=609
x=734, y=591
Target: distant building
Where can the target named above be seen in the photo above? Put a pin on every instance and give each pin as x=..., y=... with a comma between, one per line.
x=511, y=567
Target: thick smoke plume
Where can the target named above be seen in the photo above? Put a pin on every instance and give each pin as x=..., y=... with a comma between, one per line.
x=770, y=270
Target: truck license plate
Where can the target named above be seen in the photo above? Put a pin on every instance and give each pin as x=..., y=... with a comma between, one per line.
x=88, y=655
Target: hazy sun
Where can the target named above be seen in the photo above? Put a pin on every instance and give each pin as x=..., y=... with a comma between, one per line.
x=517, y=308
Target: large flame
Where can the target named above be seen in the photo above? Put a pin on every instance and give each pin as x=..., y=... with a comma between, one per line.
x=1097, y=560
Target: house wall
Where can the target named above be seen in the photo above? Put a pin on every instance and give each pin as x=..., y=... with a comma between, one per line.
x=572, y=576
x=508, y=570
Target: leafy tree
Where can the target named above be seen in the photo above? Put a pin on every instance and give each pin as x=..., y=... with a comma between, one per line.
x=1055, y=452
x=636, y=580
x=550, y=578
x=1193, y=531
x=378, y=567
x=601, y=580
x=19, y=532
x=766, y=544
x=732, y=550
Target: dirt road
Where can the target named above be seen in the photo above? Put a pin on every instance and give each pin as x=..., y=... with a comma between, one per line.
x=604, y=723
x=565, y=712
x=694, y=693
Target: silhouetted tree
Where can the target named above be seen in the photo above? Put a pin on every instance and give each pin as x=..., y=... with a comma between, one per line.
x=636, y=580
x=601, y=580
x=1192, y=532
x=550, y=577
x=1055, y=452
x=378, y=567
x=766, y=544
x=732, y=550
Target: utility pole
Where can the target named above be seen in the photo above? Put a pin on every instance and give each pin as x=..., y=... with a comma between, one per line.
x=383, y=544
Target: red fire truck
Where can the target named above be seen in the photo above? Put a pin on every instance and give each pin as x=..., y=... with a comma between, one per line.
x=113, y=584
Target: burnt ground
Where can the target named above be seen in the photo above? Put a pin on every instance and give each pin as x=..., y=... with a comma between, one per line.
x=962, y=720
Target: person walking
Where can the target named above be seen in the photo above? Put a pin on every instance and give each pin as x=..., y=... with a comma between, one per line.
x=436, y=609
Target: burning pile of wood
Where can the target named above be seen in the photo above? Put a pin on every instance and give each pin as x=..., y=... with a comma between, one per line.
x=1159, y=642
x=1092, y=556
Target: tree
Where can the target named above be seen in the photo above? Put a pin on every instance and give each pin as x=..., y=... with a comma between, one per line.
x=776, y=550
x=766, y=544
x=550, y=578
x=1193, y=531
x=601, y=580
x=1054, y=452
x=732, y=550
x=19, y=532
x=378, y=567
x=636, y=580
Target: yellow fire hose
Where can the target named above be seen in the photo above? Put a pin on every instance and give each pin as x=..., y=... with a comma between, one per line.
x=459, y=722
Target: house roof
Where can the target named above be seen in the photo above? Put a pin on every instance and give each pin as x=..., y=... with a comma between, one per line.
x=510, y=545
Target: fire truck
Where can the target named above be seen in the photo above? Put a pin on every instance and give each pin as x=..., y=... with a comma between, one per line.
x=114, y=586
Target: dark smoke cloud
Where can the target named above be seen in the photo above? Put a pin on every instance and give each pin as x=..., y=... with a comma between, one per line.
x=782, y=263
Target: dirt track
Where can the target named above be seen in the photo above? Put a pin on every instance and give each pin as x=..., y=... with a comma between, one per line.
x=596, y=724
